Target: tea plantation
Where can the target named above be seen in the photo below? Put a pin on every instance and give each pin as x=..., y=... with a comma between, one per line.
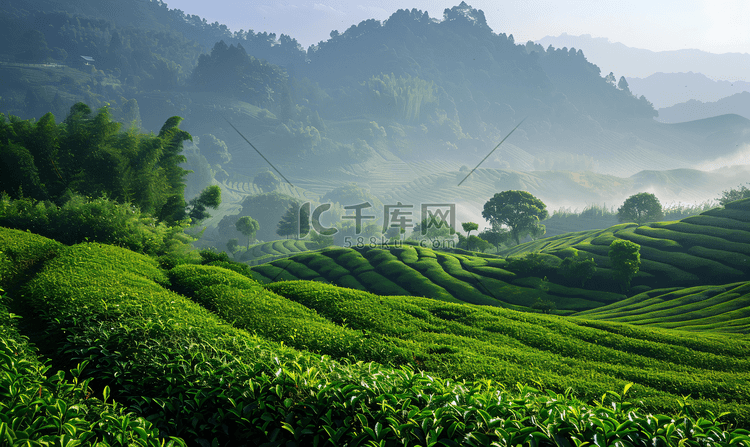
x=273, y=250
x=709, y=249
x=399, y=346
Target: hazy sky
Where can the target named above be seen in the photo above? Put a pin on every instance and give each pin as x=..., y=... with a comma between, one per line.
x=717, y=26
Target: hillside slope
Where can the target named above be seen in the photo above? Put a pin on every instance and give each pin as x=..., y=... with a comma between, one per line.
x=711, y=248
x=724, y=308
x=174, y=360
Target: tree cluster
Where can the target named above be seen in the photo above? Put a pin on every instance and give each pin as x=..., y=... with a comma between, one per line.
x=230, y=70
x=87, y=154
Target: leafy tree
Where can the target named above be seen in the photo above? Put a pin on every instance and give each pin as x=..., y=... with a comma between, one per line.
x=544, y=306
x=247, y=226
x=577, y=269
x=434, y=231
x=640, y=208
x=88, y=155
x=468, y=228
x=208, y=198
x=478, y=243
x=626, y=260
x=623, y=84
x=295, y=221
x=496, y=237
x=611, y=79
x=742, y=192
x=214, y=149
x=266, y=181
x=520, y=211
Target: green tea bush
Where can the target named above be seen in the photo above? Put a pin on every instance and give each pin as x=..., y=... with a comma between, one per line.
x=721, y=222
x=195, y=376
x=20, y=252
x=39, y=407
x=97, y=220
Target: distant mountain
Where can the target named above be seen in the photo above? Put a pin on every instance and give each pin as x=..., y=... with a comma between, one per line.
x=409, y=91
x=667, y=89
x=738, y=104
x=638, y=63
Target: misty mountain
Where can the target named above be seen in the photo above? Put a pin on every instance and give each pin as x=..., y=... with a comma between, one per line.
x=738, y=104
x=667, y=89
x=639, y=63
x=413, y=94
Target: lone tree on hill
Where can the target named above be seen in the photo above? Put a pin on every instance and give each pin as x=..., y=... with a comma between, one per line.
x=247, y=226
x=468, y=228
x=626, y=260
x=520, y=211
x=640, y=208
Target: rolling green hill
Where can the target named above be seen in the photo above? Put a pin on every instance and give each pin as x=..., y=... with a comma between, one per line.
x=212, y=356
x=724, y=308
x=274, y=250
x=711, y=248
x=424, y=272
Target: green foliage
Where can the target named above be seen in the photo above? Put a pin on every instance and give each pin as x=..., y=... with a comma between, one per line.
x=741, y=192
x=230, y=70
x=577, y=269
x=544, y=306
x=232, y=245
x=20, y=253
x=208, y=198
x=520, y=211
x=247, y=226
x=626, y=260
x=408, y=98
x=101, y=220
x=640, y=208
x=87, y=154
x=534, y=264
x=41, y=406
x=158, y=352
x=495, y=236
x=296, y=220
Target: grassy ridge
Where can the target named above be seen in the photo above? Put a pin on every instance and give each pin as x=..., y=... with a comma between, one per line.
x=42, y=407
x=194, y=375
x=419, y=271
x=507, y=346
x=709, y=249
x=723, y=308
x=273, y=250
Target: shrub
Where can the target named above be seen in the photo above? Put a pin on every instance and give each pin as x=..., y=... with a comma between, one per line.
x=93, y=220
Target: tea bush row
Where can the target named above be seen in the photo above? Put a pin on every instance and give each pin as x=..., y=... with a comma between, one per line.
x=39, y=407
x=508, y=345
x=195, y=376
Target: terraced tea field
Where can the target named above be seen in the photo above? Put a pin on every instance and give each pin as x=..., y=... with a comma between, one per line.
x=724, y=308
x=211, y=356
x=274, y=250
x=711, y=248
x=417, y=271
